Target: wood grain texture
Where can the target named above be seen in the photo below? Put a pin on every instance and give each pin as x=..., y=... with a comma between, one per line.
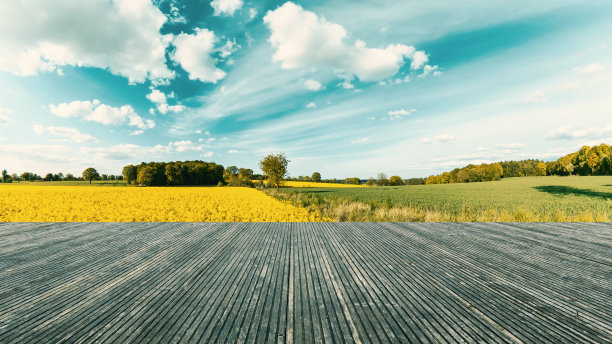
x=305, y=282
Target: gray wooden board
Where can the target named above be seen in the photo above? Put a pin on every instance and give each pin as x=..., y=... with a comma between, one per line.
x=306, y=282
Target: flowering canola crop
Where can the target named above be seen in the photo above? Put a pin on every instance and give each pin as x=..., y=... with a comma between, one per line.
x=297, y=184
x=30, y=203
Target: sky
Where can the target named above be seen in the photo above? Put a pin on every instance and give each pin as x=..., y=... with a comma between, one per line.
x=345, y=88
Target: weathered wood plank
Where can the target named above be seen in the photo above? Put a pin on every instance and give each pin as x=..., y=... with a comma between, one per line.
x=305, y=282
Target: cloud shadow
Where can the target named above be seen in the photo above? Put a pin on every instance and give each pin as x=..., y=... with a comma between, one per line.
x=560, y=190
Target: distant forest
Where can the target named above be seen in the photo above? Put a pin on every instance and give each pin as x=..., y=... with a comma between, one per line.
x=585, y=162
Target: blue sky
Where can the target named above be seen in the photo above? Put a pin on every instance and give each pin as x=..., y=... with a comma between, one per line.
x=345, y=88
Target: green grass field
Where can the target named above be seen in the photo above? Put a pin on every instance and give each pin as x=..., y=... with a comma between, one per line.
x=550, y=198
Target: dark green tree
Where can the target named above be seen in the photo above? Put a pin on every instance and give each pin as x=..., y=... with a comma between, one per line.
x=90, y=174
x=316, y=177
x=130, y=173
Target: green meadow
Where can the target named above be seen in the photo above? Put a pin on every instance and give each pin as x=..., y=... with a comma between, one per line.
x=550, y=198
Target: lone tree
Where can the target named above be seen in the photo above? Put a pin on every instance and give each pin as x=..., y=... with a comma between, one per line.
x=90, y=174
x=316, y=177
x=5, y=176
x=396, y=180
x=274, y=167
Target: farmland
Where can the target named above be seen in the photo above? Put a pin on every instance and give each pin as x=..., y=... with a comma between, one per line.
x=551, y=198
x=27, y=202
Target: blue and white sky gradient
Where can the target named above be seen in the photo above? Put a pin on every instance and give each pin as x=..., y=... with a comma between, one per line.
x=346, y=88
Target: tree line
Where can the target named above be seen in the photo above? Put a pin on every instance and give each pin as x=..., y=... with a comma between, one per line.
x=173, y=173
x=585, y=162
x=52, y=177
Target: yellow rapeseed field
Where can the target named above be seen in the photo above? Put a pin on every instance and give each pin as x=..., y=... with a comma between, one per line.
x=295, y=184
x=319, y=185
x=29, y=203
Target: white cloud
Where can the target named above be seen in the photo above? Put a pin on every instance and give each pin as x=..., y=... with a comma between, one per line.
x=442, y=138
x=418, y=60
x=137, y=132
x=94, y=111
x=193, y=53
x=226, y=7
x=252, y=14
x=161, y=100
x=67, y=134
x=536, y=97
x=398, y=114
x=188, y=146
x=511, y=146
x=125, y=152
x=234, y=151
x=42, y=35
x=589, y=69
x=229, y=48
x=157, y=97
x=39, y=129
x=579, y=131
x=37, y=153
x=313, y=85
x=301, y=39
x=429, y=69
x=362, y=140
x=346, y=84
x=175, y=15
x=311, y=105
x=5, y=120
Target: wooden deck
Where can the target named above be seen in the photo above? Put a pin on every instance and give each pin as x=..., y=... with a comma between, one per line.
x=305, y=283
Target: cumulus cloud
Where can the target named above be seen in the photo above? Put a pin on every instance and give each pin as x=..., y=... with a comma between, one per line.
x=428, y=70
x=66, y=134
x=579, y=131
x=161, y=100
x=5, y=120
x=589, y=69
x=94, y=111
x=442, y=138
x=226, y=7
x=313, y=85
x=194, y=54
x=302, y=39
x=311, y=105
x=419, y=59
x=40, y=35
x=398, y=114
x=536, y=97
x=188, y=146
